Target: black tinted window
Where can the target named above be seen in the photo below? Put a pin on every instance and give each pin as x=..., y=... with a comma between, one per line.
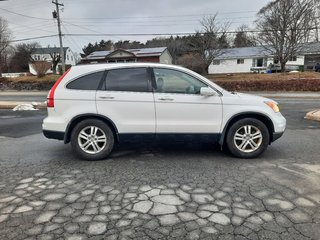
x=129, y=79
x=87, y=82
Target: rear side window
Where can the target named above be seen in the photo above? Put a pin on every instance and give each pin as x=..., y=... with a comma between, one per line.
x=87, y=82
x=128, y=79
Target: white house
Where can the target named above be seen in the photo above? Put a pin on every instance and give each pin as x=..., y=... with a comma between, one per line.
x=46, y=54
x=258, y=59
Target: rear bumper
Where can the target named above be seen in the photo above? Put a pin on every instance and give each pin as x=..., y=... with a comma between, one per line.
x=276, y=136
x=53, y=134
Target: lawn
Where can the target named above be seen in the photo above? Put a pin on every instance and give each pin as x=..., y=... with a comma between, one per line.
x=263, y=77
x=33, y=79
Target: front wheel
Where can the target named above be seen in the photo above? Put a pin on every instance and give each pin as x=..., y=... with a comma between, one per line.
x=247, y=138
x=92, y=139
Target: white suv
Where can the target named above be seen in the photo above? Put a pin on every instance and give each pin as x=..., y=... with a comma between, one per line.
x=96, y=106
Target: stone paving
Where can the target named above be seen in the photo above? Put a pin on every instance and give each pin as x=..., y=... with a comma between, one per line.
x=69, y=206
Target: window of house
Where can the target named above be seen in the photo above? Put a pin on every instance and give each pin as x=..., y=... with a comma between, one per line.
x=131, y=60
x=67, y=57
x=172, y=81
x=216, y=62
x=260, y=62
x=276, y=60
x=128, y=79
x=87, y=82
x=240, y=61
x=293, y=58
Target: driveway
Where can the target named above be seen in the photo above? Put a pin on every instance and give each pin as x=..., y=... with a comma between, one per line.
x=172, y=190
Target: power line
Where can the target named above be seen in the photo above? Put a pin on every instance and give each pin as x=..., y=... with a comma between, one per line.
x=166, y=16
x=28, y=27
x=151, y=34
x=179, y=34
x=82, y=27
x=32, y=38
x=19, y=14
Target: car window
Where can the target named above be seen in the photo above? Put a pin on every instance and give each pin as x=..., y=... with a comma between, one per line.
x=173, y=81
x=87, y=82
x=128, y=79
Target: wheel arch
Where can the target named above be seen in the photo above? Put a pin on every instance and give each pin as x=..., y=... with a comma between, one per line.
x=74, y=121
x=260, y=116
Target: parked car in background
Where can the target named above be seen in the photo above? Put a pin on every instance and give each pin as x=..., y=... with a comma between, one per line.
x=96, y=106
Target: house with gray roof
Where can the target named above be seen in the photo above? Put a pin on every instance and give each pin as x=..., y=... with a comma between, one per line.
x=258, y=59
x=47, y=54
x=159, y=55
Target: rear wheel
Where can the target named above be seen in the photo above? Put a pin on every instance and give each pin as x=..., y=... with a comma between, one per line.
x=92, y=139
x=247, y=138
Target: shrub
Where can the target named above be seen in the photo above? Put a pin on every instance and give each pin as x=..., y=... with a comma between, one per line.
x=41, y=68
x=191, y=61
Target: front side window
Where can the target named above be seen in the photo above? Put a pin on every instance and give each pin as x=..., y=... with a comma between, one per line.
x=173, y=81
x=87, y=82
x=128, y=79
x=240, y=61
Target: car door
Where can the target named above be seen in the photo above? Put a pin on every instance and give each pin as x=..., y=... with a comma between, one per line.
x=179, y=106
x=126, y=98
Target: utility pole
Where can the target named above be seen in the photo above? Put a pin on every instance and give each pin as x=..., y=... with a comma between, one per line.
x=56, y=15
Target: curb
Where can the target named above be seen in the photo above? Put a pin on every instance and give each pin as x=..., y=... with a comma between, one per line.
x=11, y=105
x=313, y=115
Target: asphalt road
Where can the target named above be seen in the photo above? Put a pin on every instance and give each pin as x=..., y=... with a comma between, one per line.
x=152, y=191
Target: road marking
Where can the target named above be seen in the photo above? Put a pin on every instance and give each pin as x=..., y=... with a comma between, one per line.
x=293, y=171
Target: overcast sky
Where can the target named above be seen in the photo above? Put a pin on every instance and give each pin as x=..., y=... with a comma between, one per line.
x=120, y=17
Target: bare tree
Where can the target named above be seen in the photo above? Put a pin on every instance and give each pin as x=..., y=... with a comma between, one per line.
x=211, y=41
x=23, y=56
x=55, y=56
x=242, y=38
x=41, y=68
x=5, y=37
x=316, y=21
x=191, y=61
x=284, y=26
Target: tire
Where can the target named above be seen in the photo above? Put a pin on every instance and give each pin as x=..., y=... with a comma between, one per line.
x=92, y=139
x=247, y=138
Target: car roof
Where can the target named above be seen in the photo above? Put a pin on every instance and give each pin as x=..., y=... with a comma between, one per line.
x=97, y=66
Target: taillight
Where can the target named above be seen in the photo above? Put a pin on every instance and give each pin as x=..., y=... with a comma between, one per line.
x=50, y=99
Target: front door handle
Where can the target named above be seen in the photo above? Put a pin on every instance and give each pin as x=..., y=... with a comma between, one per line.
x=166, y=99
x=106, y=97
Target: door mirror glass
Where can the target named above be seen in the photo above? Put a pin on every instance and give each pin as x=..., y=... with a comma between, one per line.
x=207, y=92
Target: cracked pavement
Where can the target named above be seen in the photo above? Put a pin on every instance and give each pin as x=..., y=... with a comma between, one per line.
x=171, y=190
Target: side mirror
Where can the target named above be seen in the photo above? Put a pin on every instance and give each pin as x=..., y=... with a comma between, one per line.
x=207, y=92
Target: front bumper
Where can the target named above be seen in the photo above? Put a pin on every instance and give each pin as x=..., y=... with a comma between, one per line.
x=276, y=136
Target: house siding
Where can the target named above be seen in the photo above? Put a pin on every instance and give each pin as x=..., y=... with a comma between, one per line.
x=148, y=59
x=166, y=57
x=231, y=66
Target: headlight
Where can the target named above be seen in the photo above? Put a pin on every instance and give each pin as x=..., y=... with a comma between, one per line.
x=274, y=106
